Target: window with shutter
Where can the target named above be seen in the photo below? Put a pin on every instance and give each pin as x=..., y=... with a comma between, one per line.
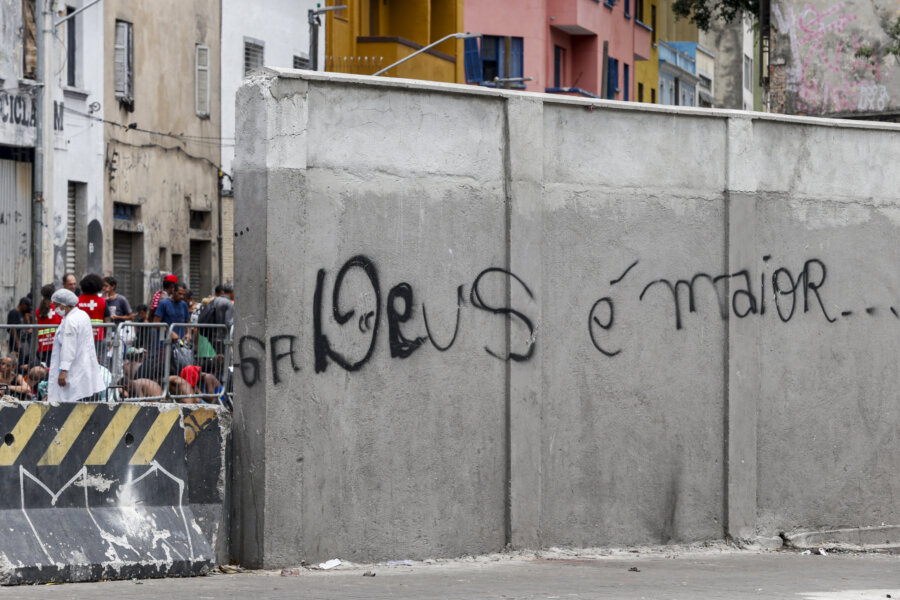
x=472, y=61
x=122, y=62
x=201, y=90
x=301, y=62
x=612, y=85
x=254, y=56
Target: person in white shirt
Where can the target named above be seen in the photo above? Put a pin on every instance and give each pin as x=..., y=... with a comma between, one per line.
x=74, y=370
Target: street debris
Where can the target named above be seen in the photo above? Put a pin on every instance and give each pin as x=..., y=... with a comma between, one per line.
x=230, y=569
x=821, y=551
x=372, y=574
x=399, y=563
x=329, y=564
x=290, y=572
x=634, y=570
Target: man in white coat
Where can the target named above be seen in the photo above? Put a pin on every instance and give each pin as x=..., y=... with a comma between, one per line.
x=74, y=370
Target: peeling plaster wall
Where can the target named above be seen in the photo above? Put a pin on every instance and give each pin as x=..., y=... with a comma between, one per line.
x=818, y=71
x=164, y=178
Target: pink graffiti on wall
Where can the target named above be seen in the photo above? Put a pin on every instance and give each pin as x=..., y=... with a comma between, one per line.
x=826, y=72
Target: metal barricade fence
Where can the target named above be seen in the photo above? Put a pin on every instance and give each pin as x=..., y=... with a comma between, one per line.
x=18, y=358
x=141, y=364
x=139, y=361
x=200, y=357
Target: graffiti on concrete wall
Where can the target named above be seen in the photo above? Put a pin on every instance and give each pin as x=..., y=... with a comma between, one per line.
x=783, y=292
x=832, y=63
x=358, y=317
x=767, y=290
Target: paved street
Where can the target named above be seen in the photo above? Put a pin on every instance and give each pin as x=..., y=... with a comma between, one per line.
x=659, y=575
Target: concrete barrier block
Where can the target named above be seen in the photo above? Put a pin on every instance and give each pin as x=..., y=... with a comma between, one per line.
x=109, y=491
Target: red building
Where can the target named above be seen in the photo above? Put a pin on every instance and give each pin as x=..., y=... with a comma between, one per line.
x=586, y=47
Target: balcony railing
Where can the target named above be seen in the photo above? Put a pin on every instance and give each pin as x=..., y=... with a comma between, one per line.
x=674, y=56
x=358, y=65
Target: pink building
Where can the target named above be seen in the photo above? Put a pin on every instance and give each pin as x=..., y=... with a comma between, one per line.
x=566, y=46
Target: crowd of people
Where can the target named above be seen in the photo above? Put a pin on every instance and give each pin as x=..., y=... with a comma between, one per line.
x=64, y=353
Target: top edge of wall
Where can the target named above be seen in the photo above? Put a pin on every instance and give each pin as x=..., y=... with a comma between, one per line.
x=270, y=73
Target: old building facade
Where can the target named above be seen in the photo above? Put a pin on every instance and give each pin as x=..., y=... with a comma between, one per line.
x=162, y=150
x=73, y=188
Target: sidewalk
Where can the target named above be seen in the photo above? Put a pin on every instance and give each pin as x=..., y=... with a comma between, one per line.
x=650, y=574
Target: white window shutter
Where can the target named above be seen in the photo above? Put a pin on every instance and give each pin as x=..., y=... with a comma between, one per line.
x=120, y=59
x=201, y=90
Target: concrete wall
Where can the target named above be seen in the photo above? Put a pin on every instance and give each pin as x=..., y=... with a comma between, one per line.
x=454, y=337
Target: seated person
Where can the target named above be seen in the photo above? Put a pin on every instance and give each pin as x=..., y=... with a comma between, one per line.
x=139, y=389
x=35, y=376
x=11, y=382
x=197, y=385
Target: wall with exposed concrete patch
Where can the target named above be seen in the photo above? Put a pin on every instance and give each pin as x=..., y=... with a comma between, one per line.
x=471, y=318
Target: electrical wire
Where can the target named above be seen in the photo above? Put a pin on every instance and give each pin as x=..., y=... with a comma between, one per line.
x=176, y=136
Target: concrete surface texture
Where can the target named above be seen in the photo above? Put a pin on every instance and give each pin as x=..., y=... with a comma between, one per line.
x=666, y=575
x=472, y=318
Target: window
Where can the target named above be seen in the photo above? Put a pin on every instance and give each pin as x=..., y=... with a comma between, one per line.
x=501, y=57
x=123, y=76
x=472, y=61
x=639, y=10
x=29, y=40
x=559, y=61
x=653, y=23
x=628, y=8
x=301, y=62
x=653, y=95
x=254, y=55
x=612, y=78
x=71, y=47
x=626, y=79
x=640, y=92
x=748, y=72
x=201, y=89
x=123, y=212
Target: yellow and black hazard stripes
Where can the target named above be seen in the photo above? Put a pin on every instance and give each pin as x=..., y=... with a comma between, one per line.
x=197, y=420
x=112, y=435
x=17, y=436
x=67, y=435
x=92, y=434
x=155, y=437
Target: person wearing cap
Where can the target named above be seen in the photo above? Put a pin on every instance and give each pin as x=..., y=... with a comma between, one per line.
x=74, y=371
x=20, y=315
x=168, y=287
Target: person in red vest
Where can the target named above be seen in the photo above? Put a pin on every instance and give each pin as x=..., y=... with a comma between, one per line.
x=46, y=315
x=91, y=302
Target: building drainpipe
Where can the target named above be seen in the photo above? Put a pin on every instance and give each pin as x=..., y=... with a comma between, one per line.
x=219, y=237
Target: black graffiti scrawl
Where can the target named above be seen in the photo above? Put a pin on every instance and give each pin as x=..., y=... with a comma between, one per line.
x=400, y=308
x=784, y=291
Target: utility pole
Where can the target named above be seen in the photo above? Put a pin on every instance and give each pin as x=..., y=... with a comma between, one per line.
x=43, y=144
x=314, y=22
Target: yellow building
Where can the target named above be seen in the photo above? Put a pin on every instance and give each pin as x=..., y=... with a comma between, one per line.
x=647, y=71
x=371, y=34
x=658, y=15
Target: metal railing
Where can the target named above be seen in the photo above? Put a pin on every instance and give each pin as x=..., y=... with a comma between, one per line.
x=182, y=362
